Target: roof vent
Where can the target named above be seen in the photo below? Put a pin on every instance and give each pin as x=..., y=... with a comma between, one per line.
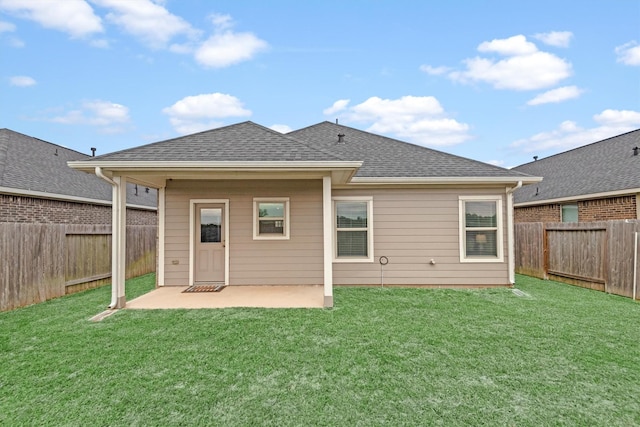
x=93, y=151
x=341, y=137
x=535, y=158
x=635, y=151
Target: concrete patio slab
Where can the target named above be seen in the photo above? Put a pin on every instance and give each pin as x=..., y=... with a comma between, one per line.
x=168, y=297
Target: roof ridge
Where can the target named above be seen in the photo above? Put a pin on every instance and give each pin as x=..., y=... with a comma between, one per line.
x=41, y=140
x=173, y=139
x=298, y=141
x=421, y=147
x=578, y=148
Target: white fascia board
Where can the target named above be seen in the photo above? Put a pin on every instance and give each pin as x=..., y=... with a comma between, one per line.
x=66, y=198
x=440, y=180
x=603, y=195
x=206, y=166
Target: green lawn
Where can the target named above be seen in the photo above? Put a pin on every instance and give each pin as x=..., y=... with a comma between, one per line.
x=559, y=356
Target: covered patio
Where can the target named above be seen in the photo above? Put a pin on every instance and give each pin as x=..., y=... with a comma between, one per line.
x=170, y=297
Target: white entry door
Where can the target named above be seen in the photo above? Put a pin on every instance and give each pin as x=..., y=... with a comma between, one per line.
x=209, y=244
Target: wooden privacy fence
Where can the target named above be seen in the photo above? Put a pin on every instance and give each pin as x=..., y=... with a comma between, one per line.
x=43, y=261
x=596, y=255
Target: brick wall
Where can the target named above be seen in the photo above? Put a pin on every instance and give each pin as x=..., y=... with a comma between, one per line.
x=607, y=209
x=542, y=213
x=624, y=207
x=45, y=211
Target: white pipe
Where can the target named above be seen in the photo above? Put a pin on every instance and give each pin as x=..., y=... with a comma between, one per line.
x=114, y=290
x=510, y=238
x=635, y=264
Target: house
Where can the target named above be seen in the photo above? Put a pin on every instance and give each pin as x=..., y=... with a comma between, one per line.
x=596, y=182
x=324, y=205
x=37, y=186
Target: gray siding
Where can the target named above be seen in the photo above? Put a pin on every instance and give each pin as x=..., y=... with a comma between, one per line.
x=297, y=261
x=413, y=226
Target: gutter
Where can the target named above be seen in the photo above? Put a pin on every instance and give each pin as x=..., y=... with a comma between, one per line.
x=114, y=290
x=510, y=237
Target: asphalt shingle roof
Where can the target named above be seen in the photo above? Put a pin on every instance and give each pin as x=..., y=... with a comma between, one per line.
x=603, y=166
x=387, y=157
x=245, y=141
x=31, y=164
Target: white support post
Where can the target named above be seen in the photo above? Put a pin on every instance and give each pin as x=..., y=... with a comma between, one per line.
x=161, y=225
x=511, y=250
x=118, y=241
x=327, y=224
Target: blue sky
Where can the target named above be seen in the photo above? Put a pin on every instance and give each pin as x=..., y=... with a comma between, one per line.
x=495, y=81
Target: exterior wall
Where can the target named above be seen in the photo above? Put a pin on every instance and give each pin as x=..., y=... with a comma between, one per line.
x=297, y=261
x=623, y=207
x=413, y=226
x=607, y=209
x=33, y=210
x=410, y=226
x=541, y=213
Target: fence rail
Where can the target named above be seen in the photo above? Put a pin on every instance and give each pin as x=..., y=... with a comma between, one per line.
x=596, y=255
x=44, y=261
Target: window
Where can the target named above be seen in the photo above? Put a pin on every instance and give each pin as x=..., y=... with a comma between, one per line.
x=570, y=213
x=481, y=229
x=270, y=218
x=353, y=224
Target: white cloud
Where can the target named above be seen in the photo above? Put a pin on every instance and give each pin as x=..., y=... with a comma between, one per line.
x=339, y=105
x=555, y=38
x=434, y=71
x=556, y=95
x=513, y=46
x=570, y=135
x=226, y=48
x=22, y=81
x=626, y=118
x=74, y=17
x=6, y=27
x=629, y=53
x=525, y=68
x=200, y=112
x=281, y=128
x=146, y=20
x=419, y=119
x=108, y=116
x=221, y=22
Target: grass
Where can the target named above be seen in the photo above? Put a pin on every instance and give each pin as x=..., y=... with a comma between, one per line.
x=558, y=356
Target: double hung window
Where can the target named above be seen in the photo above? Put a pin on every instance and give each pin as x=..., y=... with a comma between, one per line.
x=481, y=229
x=353, y=222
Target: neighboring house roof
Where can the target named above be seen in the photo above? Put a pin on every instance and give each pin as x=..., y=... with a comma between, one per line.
x=387, y=157
x=36, y=168
x=602, y=169
x=369, y=156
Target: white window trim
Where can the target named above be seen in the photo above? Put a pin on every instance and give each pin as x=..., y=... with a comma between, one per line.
x=369, y=200
x=256, y=218
x=463, y=234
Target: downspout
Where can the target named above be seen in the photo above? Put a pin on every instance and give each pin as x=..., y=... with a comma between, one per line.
x=114, y=290
x=103, y=176
x=510, y=238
